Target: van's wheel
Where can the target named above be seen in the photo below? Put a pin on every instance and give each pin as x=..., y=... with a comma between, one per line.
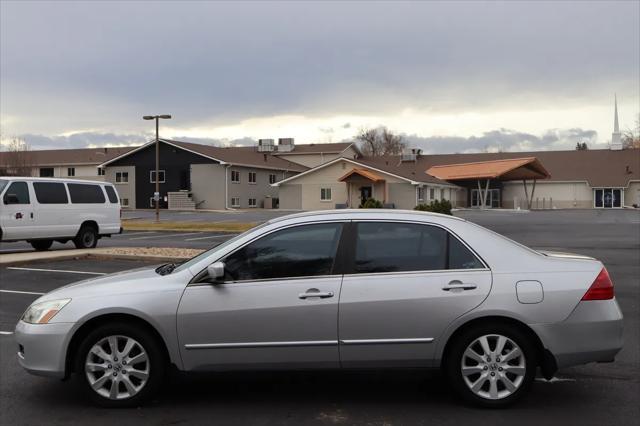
x=87, y=237
x=120, y=365
x=492, y=365
x=41, y=245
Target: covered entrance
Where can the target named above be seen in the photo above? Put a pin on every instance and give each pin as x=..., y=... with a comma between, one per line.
x=608, y=198
x=363, y=184
x=479, y=177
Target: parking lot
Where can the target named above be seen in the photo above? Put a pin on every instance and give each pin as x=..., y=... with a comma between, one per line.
x=595, y=394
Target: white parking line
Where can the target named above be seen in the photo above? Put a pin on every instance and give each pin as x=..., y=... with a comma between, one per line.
x=6, y=333
x=21, y=292
x=167, y=236
x=207, y=237
x=15, y=268
x=128, y=234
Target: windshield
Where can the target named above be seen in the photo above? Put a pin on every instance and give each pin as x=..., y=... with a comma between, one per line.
x=189, y=263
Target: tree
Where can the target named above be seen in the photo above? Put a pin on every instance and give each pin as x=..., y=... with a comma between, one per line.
x=16, y=160
x=581, y=146
x=631, y=137
x=380, y=141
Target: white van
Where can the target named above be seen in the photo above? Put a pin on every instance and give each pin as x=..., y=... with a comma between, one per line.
x=43, y=210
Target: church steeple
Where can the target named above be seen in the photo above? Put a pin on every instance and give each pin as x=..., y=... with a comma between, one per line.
x=616, y=137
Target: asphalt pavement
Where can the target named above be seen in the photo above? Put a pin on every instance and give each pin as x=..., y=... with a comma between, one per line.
x=594, y=394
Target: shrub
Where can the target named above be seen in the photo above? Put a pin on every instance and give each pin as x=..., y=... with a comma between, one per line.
x=436, y=206
x=371, y=203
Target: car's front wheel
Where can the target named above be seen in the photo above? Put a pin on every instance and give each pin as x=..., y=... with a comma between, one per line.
x=120, y=365
x=492, y=365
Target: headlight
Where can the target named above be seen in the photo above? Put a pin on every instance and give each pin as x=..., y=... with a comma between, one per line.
x=41, y=313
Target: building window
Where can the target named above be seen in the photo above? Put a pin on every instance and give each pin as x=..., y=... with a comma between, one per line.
x=235, y=201
x=235, y=176
x=46, y=172
x=100, y=171
x=152, y=176
x=272, y=178
x=441, y=194
x=325, y=194
x=252, y=177
x=432, y=193
x=124, y=202
x=608, y=198
x=421, y=190
x=122, y=177
x=253, y=202
x=71, y=171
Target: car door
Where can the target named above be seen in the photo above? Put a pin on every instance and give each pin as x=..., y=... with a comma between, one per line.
x=17, y=212
x=276, y=307
x=407, y=282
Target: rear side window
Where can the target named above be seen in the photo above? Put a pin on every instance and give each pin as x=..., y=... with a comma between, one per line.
x=111, y=193
x=302, y=251
x=404, y=247
x=50, y=193
x=17, y=193
x=82, y=193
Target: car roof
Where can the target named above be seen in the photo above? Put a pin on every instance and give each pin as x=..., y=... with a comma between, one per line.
x=366, y=214
x=44, y=179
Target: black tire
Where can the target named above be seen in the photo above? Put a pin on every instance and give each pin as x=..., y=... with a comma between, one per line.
x=157, y=366
x=87, y=237
x=41, y=245
x=453, y=363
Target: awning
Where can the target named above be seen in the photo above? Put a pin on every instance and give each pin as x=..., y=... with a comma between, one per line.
x=367, y=174
x=504, y=170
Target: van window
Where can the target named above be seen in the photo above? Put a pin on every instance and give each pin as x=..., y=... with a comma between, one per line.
x=82, y=193
x=50, y=193
x=17, y=193
x=3, y=183
x=111, y=193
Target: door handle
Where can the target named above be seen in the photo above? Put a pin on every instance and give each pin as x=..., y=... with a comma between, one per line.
x=314, y=292
x=459, y=285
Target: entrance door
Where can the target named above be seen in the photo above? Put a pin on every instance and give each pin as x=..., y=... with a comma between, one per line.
x=365, y=193
x=493, y=198
x=275, y=307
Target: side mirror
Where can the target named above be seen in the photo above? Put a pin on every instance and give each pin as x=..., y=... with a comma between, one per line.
x=11, y=199
x=215, y=271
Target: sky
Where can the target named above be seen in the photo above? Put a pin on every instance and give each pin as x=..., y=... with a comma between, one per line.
x=450, y=77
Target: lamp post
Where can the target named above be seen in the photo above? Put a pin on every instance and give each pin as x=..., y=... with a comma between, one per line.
x=156, y=196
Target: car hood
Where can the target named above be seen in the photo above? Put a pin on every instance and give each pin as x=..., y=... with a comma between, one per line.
x=563, y=255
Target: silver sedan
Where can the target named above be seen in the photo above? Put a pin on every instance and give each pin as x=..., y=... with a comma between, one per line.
x=334, y=290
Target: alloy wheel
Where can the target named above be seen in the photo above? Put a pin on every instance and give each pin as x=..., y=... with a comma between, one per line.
x=493, y=366
x=117, y=367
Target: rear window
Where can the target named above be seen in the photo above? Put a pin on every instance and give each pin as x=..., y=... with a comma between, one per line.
x=83, y=193
x=50, y=193
x=111, y=193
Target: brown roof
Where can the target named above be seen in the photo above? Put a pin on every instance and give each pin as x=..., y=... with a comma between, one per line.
x=600, y=168
x=55, y=157
x=367, y=174
x=317, y=148
x=505, y=169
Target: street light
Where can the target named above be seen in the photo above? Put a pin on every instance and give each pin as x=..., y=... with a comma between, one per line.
x=156, y=196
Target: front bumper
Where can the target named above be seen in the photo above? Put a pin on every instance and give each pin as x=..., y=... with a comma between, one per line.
x=592, y=333
x=42, y=348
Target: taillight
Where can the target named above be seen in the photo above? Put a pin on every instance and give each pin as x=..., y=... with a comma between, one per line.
x=601, y=289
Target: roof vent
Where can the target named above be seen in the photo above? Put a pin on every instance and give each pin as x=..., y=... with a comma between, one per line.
x=285, y=144
x=266, y=145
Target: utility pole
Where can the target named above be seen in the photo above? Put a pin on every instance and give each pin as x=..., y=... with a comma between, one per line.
x=156, y=195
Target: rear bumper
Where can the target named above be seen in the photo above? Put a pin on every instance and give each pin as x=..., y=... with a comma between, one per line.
x=592, y=333
x=42, y=348
x=110, y=228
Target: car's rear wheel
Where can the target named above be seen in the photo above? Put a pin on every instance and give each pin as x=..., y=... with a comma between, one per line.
x=492, y=365
x=120, y=365
x=41, y=245
x=87, y=237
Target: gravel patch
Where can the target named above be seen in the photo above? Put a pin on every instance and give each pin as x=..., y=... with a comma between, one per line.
x=165, y=252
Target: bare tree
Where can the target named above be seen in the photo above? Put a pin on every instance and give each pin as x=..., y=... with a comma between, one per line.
x=16, y=160
x=631, y=137
x=380, y=141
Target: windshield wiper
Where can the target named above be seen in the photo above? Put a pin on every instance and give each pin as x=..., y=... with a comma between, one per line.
x=167, y=268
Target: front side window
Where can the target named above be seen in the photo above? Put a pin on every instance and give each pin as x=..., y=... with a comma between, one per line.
x=235, y=176
x=404, y=247
x=82, y=193
x=17, y=193
x=152, y=176
x=302, y=251
x=122, y=177
x=252, y=177
x=325, y=194
x=50, y=193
